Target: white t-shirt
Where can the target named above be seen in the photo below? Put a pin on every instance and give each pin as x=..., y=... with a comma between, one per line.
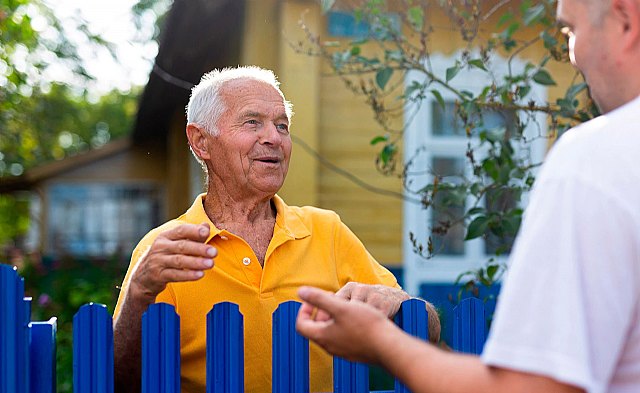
x=569, y=308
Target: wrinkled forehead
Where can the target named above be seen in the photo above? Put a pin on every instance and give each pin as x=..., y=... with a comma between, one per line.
x=243, y=89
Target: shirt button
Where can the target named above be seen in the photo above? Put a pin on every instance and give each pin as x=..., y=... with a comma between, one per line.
x=224, y=237
x=246, y=261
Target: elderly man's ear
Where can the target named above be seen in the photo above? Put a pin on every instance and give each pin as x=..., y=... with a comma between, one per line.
x=198, y=140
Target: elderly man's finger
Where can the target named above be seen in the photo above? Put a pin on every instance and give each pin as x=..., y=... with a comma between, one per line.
x=345, y=291
x=188, y=231
x=186, y=247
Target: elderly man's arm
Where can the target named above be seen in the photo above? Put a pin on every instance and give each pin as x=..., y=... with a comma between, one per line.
x=358, y=332
x=388, y=300
x=176, y=255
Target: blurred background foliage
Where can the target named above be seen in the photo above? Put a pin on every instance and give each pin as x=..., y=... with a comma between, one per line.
x=49, y=110
x=59, y=287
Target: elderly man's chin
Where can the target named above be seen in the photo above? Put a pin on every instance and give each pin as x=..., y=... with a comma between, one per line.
x=269, y=183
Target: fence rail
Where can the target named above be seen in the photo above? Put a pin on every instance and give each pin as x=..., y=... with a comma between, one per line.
x=27, y=349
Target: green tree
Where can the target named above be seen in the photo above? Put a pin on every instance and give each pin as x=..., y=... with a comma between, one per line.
x=401, y=33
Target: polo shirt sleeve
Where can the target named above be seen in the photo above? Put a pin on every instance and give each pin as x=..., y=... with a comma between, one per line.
x=355, y=263
x=570, y=296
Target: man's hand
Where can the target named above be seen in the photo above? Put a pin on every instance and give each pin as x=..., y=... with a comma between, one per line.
x=386, y=299
x=176, y=255
x=350, y=329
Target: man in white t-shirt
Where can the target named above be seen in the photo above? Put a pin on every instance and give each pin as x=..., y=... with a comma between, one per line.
x=568, y=318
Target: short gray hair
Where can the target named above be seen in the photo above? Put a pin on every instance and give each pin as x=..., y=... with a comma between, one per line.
x=206, y=106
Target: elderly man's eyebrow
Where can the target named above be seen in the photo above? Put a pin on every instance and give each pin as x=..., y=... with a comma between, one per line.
x=247, y=114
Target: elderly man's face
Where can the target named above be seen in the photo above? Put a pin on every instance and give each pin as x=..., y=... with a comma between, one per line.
x=590, y=36
x=252, y=150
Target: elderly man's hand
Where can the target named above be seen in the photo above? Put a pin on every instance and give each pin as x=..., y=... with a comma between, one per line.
x=176, y=255
x=351, y=328
x=386, y=299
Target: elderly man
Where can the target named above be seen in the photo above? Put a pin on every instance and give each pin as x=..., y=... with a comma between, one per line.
x=264, y=250
x=568, y=317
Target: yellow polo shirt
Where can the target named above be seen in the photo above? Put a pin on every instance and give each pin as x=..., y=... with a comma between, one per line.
x=310, y=246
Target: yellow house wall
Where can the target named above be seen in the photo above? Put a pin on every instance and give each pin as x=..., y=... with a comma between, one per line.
x=338, y=124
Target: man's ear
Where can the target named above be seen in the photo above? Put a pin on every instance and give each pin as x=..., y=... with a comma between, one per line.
x=197, y=137
x=627, y=12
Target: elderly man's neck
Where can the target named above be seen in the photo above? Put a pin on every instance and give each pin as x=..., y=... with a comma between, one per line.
x=224, y=209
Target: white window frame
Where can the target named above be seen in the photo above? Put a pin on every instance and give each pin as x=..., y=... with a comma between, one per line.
x=446, y=268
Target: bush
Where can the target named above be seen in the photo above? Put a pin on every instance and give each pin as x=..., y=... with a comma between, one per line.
x=60, y=287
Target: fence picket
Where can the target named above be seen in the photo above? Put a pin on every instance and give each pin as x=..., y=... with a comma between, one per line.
x=15, y=312
x=225, y=349
x=290, y=365
x=160, y=349
x=413, y=318
x=42, y=356
x=92, y=350
x=469, y=326
x=350, y=377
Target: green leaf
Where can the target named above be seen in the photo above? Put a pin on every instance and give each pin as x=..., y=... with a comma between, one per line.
x=543, y=77
x=383, y=76
x=492, y=270
x=438, y=97
x=416, y=17
x=452, y=72
x=477, y=227
x=476, y=210
x=533, y=14
x=478, y=64
x=491, y=168
x=387, y=153
x=355, y=50
x=326, y=5
x=505, y=18
x=524, y=90
x=415, y=86
x=378, y=139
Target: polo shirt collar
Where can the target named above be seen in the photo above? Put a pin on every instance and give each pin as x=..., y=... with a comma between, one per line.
x=286, y=218
x=289, y=220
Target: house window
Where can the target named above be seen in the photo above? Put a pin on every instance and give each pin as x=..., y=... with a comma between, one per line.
x=100, y=220
x=436, y=143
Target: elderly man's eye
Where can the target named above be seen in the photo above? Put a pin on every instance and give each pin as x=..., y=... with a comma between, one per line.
x=252, y=122
x=283, y=128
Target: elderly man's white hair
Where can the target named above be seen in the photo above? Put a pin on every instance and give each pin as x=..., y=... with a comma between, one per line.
x=206, y=106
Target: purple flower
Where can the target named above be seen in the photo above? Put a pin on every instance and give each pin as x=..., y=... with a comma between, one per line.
x=44, y=300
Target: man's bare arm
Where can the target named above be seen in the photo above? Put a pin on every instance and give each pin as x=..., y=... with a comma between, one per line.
x=176, y=255
x=359, y=332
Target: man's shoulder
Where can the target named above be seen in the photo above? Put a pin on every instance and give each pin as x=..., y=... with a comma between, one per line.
x=313, y=213
x=598, y=147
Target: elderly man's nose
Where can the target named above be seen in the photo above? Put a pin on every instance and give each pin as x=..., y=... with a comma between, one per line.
x=270, y=134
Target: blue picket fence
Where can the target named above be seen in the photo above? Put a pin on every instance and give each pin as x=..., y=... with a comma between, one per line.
x=27, y=349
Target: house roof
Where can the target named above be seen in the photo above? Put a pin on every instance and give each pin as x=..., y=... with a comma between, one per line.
x=45, y=171
x=198, y=36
